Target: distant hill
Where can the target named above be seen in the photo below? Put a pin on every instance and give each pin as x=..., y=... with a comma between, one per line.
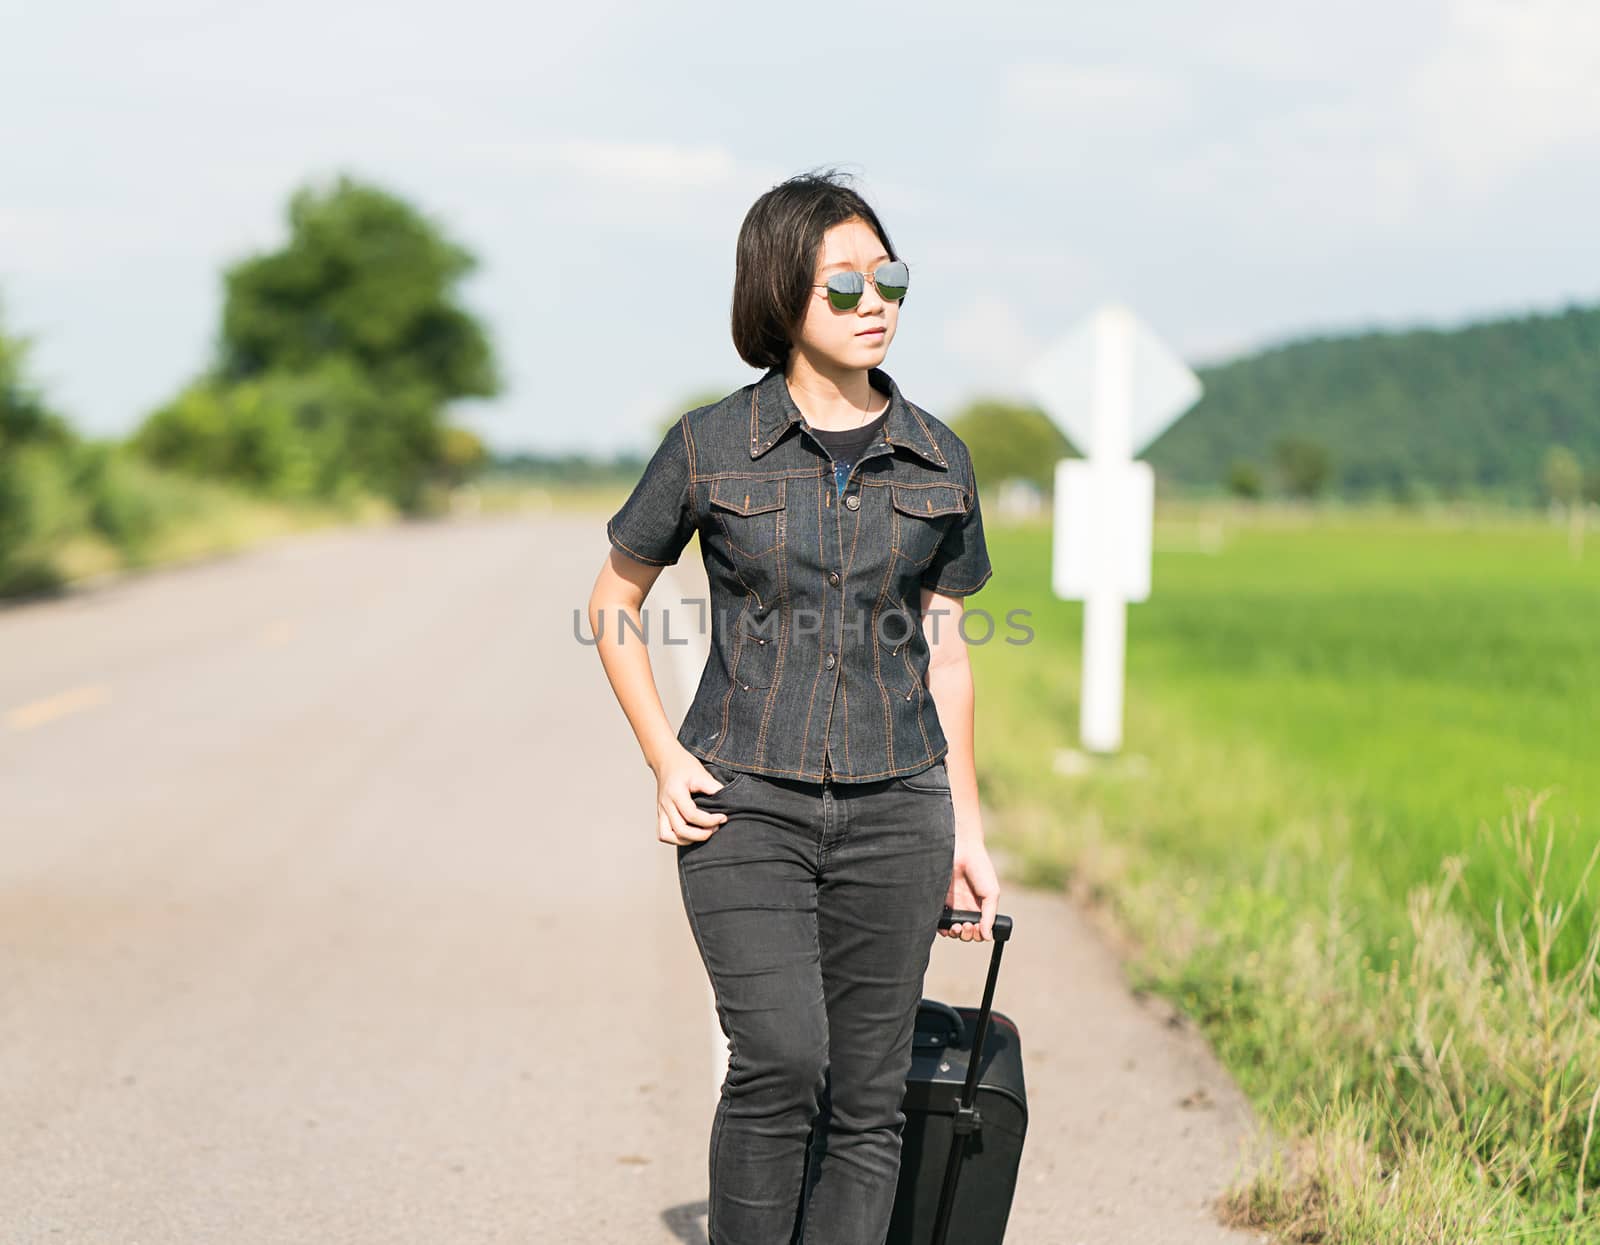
x=1467, y=411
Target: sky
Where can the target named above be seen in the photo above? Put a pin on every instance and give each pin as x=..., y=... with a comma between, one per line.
x=1238, y=173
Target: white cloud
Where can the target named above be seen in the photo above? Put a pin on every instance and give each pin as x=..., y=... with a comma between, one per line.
x=1108, y=95
x=1313, y=176
x=33, y=234
x=643, y=164
x=656, y=164
x=1514, y=81
x=992, y=335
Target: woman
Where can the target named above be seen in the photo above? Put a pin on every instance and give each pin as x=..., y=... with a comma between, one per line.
x=830, y=739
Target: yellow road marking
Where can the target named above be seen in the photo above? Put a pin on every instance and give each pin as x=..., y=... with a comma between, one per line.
x=26, y=717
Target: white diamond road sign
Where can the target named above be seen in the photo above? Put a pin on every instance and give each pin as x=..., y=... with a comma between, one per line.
x=1112, y=387
x=1067, y=377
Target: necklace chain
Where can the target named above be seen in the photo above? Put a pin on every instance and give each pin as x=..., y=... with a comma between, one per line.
x=865, y=419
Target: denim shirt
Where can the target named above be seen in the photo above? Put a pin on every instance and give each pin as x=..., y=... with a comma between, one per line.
x=817, y=663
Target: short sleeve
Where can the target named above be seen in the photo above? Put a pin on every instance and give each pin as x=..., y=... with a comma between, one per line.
x=657, y=520
x=960, y=565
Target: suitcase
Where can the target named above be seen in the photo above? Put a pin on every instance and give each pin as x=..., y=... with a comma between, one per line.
x=965, y=1118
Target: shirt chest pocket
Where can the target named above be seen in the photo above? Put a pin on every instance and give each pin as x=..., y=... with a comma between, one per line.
x=750, y=512
x=922, y=515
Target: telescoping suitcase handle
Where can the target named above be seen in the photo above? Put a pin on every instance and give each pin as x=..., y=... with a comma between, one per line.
x=967, y=1119
x=961, y=916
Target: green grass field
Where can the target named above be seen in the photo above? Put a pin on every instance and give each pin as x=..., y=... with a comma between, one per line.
x=1426, y=674
x=1333, y=727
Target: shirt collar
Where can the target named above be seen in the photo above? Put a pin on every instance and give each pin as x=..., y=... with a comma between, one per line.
x=772, y=411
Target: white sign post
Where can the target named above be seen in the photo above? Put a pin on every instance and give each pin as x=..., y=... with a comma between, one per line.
x=1112, y=387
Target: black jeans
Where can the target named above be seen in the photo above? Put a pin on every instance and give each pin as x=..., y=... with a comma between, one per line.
x=814, y=907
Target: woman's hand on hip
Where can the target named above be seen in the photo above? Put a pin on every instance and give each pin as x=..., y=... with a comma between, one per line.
x=679, y=820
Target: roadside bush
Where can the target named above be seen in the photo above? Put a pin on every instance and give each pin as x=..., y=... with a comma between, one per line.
x=38, y=510
x=324, y=435
x=127, y=501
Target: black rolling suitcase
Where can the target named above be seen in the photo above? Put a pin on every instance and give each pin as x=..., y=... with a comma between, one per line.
x=965, y=1118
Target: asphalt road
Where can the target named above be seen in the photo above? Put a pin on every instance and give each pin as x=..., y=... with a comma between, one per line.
x=331, y=910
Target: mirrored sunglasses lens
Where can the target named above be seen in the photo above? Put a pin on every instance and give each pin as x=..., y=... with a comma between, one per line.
x=844, y=289
x=892, y=279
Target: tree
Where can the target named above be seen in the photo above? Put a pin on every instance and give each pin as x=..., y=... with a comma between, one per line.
x=1303, y=465
x=24, y=417
x=1010, y=442
x=1591, y=484
x=337, y=356
x=320, y=434
x=364, y=277
x=1244, y=479
x=38, y=508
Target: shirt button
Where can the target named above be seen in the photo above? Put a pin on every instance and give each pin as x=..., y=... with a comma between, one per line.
x=831, y=661
x=833, y=577
x=853, y=501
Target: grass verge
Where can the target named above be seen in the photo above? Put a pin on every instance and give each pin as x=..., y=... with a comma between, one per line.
x=1426, y=1038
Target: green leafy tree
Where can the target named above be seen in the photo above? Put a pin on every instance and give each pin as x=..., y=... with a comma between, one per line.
x=38, y=509
x=25, y=419
x=366, y=278
x=125, y=504
x=1011, y=441
x=337, y=357
x=1303, y=465
x=38, y=512
x=1244, y=479
x=323, y=434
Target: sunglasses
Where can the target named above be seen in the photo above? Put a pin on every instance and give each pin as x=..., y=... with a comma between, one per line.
x=890, y=280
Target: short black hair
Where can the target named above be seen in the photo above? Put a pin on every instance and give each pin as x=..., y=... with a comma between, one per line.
x=777, y=255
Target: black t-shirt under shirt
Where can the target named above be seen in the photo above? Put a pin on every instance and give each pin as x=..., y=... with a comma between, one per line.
x=844, y=445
